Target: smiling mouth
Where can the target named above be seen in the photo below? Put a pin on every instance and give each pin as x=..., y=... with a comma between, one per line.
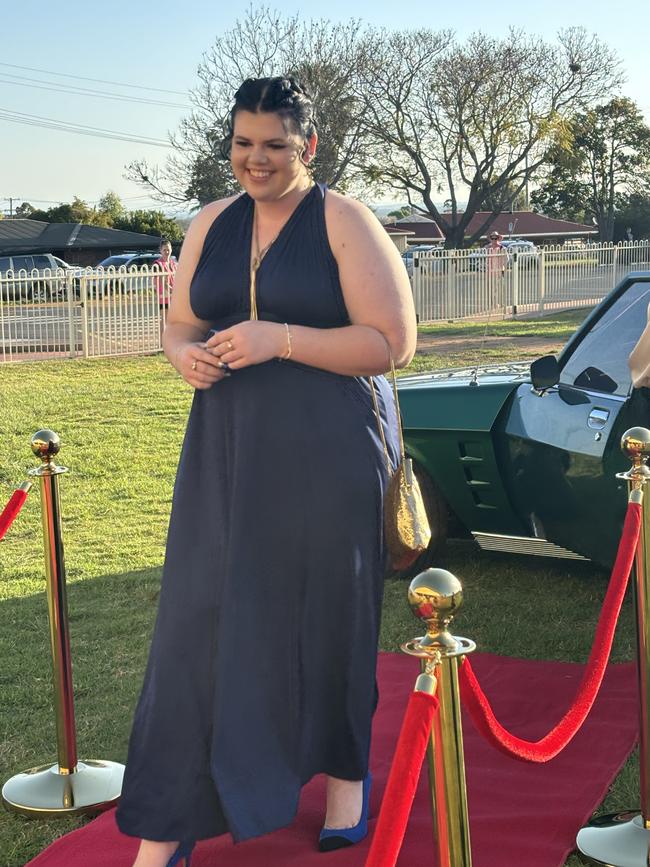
x=259, y=174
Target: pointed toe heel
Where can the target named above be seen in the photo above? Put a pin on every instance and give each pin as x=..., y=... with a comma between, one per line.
x=337, y=838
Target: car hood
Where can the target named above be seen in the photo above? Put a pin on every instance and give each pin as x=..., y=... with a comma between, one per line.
x=489, y=374
x=445, y=399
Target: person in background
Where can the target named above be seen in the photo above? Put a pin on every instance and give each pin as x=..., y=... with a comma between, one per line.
x=167, y=263
x=164, y=284
x=497, y=261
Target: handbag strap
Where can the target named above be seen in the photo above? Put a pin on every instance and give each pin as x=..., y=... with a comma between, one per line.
x=380, y=426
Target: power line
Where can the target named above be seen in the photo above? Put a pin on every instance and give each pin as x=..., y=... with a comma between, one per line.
x=79, y=129
x=83, y=91
x=96, y=80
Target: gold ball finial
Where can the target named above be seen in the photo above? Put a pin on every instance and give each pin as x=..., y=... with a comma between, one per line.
x=46, y=444
x=435, y=596
x=635, y=443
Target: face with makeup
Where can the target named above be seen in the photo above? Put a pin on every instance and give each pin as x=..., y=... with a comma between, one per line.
x=267, y=158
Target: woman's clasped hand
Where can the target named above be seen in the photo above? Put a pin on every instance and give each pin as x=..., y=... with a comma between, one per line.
x=249, y=342
x=202, y=364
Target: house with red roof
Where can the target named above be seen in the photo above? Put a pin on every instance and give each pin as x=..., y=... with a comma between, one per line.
x=511, y=224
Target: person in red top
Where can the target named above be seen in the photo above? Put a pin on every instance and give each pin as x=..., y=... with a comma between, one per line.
x=167, y=264
x=497, y=261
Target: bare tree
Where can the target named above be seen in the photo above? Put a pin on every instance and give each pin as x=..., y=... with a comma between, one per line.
x=322, y=55
x=471, y=123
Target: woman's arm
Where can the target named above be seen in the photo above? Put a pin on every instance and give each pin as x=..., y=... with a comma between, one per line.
x=184, y=333
x=377, y=295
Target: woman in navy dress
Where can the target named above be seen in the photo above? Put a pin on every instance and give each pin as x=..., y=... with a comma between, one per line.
x=262, y=666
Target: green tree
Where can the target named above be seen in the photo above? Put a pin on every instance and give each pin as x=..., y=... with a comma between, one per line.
x=399, y=213
x=25, y=211
x=150, y=223
x=76, y=211
x=605, y=160
x=110, y=208
x=633, y=214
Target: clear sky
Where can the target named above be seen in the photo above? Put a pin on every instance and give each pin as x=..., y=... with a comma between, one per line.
x=159, y=45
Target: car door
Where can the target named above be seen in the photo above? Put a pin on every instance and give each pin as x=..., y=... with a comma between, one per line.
x=563, y=443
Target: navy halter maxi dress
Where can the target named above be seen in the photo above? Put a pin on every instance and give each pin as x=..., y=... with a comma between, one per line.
x=262, y=665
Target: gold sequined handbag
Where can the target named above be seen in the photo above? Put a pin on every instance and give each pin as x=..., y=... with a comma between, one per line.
x=406, y=524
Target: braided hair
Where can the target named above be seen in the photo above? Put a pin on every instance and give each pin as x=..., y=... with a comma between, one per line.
x=281, y=95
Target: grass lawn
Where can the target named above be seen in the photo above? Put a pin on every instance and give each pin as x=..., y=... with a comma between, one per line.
x=121, y=424
x=559, y=326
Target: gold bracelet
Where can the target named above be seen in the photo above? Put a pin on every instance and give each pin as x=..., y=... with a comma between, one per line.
x=288, y=352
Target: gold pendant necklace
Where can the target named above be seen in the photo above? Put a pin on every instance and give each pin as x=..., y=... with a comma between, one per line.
x=256, y=259
x=256, y=262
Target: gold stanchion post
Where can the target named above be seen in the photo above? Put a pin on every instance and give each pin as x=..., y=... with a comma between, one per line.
x=623, y=839
x=70, y=786
x=435, y=596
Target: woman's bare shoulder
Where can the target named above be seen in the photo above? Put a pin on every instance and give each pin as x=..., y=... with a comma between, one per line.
x=350, y=222
x=344, y=207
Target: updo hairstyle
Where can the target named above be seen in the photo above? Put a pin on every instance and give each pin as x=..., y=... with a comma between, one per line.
x=280, y=95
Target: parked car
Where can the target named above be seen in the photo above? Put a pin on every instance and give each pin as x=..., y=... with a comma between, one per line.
x=477, y=259
x=104, y=284
x=525, y=459
x=34, y=277
x=130, y=260
x=407, y=255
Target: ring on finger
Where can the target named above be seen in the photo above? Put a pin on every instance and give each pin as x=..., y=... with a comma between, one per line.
x=229, y=345
x=194, y=363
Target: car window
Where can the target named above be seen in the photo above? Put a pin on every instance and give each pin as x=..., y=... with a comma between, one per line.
x=5, y=263
x=41, y=262
x=599, y=362
x=23, y=262
x=113, y=262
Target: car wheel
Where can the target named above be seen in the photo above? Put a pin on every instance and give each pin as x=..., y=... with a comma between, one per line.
x=39, y=292
x=438, y=515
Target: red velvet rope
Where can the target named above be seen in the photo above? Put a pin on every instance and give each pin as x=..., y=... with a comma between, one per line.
x=11, y=510
x=555, y=741
x=402, y=780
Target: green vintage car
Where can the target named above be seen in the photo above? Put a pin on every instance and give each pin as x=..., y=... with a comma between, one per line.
x=525, y=458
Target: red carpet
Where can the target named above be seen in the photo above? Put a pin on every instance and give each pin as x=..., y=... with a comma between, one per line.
x=521, y=815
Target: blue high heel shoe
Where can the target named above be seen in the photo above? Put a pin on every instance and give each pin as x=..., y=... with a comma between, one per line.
x=336, y=838
x=184, y=851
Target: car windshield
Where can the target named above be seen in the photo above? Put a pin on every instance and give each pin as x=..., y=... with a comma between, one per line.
x=599, y=362
x=114, y=261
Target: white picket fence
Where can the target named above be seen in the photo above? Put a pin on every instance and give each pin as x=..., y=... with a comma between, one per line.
x=461, y=284
x=87, y=313
x=94, y=313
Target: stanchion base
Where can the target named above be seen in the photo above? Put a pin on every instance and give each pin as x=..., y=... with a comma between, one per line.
x=616, y=840
x=44, y=793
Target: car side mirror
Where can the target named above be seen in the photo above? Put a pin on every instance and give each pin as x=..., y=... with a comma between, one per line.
x=545, y=372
